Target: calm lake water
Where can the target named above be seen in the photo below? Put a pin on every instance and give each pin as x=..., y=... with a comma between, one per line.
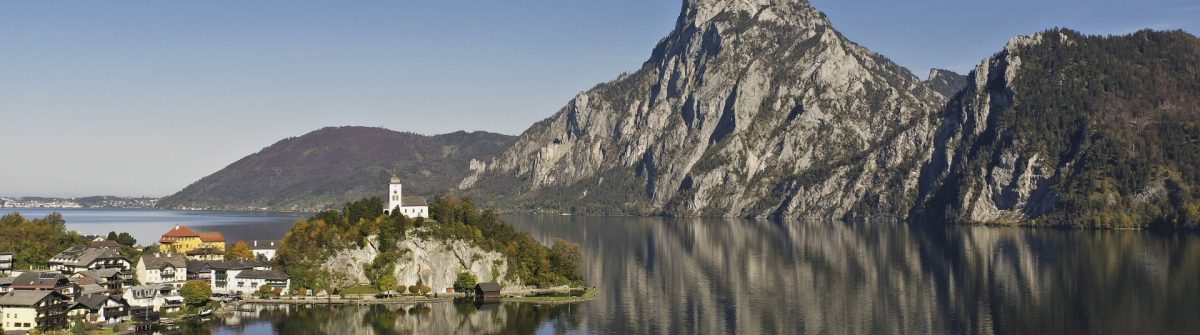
x=730, y=276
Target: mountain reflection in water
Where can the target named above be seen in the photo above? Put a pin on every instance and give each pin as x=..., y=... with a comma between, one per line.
x=732, y=276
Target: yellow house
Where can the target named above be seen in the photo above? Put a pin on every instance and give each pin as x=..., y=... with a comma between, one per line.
x=182, y=239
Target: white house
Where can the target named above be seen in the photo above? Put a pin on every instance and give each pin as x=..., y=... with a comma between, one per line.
x=29, y=309
x=102, y=307
x=162, y=269
x=159, y=298
x=246, y=282
x=223, y=276
x=77, y=259
x=264, y=248
x=413, y=207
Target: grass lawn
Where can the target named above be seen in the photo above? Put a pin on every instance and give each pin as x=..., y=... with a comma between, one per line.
x=360, y=289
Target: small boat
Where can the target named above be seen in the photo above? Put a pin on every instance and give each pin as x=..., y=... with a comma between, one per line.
x=206, y=312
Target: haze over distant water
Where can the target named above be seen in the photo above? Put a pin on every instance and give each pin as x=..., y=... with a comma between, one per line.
x=140, y=99
x=147, y=225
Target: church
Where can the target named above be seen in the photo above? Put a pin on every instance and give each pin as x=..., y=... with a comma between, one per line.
x=413, y=207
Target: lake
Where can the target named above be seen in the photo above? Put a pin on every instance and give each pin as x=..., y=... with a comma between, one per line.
x=722, y=276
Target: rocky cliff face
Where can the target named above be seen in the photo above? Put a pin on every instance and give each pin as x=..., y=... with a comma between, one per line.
x=748, y=108
x=435, y=263
x=1062, y=128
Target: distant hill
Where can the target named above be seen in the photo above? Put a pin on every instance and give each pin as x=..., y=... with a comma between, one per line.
x=331, y=166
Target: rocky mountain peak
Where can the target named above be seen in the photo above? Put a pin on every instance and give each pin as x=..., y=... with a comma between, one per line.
x=701, y=12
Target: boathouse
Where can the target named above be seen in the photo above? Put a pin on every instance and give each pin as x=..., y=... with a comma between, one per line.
x=487, y=292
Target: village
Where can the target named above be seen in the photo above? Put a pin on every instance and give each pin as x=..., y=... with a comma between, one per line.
x=95, y=285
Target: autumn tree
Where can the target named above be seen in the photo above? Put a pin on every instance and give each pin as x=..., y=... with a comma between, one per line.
x=196, y=293
x=239, y=251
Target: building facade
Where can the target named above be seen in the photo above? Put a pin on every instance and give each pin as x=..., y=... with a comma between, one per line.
x=264, y=249
x=162, y=269
x=78, y=259
x=413, y=207
x=158, y=298
x=30, y=309
x=182, y=239
x=6, y=263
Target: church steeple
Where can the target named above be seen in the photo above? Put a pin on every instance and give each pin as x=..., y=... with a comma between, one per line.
x=395, y=193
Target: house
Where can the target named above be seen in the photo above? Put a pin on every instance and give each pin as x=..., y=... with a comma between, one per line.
x=264, y=249
x=6, y=284
x=6, y=264
x=113, y=280
x=76, y=259
x=31, y=309
x=206, y=254
x=100, y=308
x=247, y=282
x=182, y=239
x=160, y=298
x=223, y=276
x=159, y=268
x=487, y=292
x=44, y=281
x=413, y=207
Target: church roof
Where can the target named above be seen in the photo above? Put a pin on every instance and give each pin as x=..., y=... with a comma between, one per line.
x=413, y=201
x=395, y=180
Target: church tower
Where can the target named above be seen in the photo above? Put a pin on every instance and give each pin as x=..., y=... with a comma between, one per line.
x=395, y=193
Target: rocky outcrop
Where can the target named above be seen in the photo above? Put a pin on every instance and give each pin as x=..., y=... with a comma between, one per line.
x=946, y=82
x=748, y=108
x=434, y=262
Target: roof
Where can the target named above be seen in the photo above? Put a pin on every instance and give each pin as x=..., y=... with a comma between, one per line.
x=159, y=261
x=92, y=289
x=237, y=265
x=264, y=244
x=92, y=301
x=101, y=273
x=25, y=298
x=413, y=201
x=84, y=256
x=38, y=280
x=212, y=236
x=488, y=287
x=104, y=244
x=263, y=274
x=6, y=253
x=83, y=280
x=181, y=231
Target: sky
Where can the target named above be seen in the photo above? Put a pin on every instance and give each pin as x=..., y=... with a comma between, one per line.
x=141, y=98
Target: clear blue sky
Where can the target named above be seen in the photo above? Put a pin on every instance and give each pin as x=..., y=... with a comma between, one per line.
x=142, y=98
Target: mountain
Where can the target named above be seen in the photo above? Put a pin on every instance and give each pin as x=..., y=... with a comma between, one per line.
x=946, y=82
x=748, y=108
x=331, y=166
x=1065, y=129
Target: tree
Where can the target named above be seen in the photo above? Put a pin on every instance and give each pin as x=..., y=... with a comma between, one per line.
x=126, y=240
x=196, y=293
x=565, y=259
x=387, y=283
x=112, y=236
x=465, y=281
x=239, y=251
